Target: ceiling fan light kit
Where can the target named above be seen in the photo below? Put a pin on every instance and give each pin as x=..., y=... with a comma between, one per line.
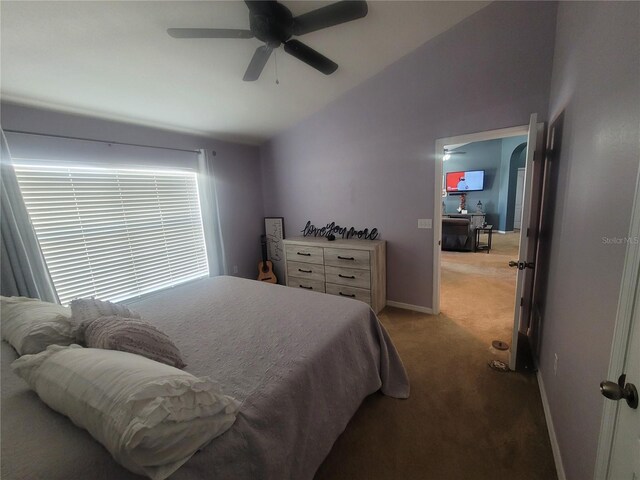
x=274, y=24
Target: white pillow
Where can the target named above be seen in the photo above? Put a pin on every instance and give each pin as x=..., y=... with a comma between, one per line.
x=151, y=417
x=31, y=325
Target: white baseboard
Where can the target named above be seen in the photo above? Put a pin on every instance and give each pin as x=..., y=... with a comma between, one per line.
x=408, y=306
x=557, y=458
x=504, y=231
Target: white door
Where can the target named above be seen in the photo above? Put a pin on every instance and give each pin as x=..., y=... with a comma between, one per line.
x=527, y=243
x=625, y=452
x=517, y=216
x=619, y=443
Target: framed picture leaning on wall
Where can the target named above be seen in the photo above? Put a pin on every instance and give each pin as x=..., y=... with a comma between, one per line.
x=274, y=229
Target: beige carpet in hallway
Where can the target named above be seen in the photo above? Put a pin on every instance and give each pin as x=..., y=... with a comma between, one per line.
x=463, y=420
x=477, y=290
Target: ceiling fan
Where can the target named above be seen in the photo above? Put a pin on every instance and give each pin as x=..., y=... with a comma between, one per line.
x=274, y=24
x=448, y=153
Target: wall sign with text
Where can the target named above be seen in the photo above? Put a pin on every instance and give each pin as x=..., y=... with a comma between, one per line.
x=311, y=230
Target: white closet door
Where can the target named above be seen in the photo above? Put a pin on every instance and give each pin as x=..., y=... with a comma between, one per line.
x=517, y=219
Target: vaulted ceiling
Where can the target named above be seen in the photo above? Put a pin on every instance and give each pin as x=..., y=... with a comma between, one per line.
x=114, y=59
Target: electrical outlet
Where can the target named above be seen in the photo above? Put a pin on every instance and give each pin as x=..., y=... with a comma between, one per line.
x=425, y=223
x=555, y=364
x=235, y=269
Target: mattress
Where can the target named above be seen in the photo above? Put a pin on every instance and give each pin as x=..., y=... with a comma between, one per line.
x=299, y=362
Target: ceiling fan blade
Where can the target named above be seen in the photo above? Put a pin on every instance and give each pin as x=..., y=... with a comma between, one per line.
x=209, y=33
x=334, y=14
x=309, y=56
x=258, y=61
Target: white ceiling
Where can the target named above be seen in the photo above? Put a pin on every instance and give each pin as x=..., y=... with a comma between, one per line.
x=113, y=59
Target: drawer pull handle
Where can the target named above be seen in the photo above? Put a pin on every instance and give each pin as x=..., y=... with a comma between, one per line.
x=304, y=254
x=346, y=276
x=308, y=288
x=345, y=258
x=346, y=295
x=305, y=271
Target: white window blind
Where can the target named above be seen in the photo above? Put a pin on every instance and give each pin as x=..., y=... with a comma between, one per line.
x=115, y=233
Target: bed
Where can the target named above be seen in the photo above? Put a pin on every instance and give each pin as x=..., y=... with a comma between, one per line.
x=299, y=362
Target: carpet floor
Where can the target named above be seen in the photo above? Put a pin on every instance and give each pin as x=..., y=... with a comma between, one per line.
x=463, y=419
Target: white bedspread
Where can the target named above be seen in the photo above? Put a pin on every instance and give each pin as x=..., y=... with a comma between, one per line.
x=299, y=362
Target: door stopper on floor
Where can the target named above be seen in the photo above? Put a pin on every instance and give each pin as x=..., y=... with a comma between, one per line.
x=500, y=345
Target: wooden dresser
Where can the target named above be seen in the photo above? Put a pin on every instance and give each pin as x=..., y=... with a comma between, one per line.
x=349, y=268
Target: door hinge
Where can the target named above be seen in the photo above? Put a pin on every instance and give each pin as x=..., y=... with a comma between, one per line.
x=528, y=232
x=521, y=301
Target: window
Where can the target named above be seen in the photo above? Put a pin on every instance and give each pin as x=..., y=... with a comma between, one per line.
x=115, y=233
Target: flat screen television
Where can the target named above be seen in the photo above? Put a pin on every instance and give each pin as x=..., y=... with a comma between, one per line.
x=463, y=182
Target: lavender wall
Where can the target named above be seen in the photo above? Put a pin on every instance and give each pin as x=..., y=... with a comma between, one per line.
x=237, y=171
x=367, y=159
x=596, y=82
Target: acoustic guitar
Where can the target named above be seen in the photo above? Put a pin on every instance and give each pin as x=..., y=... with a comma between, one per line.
x=265, y=267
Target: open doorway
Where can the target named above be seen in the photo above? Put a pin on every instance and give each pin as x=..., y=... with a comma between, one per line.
x=481, y=202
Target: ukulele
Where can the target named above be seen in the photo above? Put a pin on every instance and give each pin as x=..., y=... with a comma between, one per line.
x=265, y=267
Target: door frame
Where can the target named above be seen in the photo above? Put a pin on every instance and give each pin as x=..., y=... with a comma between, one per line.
x=437, y=204
x=626, y=300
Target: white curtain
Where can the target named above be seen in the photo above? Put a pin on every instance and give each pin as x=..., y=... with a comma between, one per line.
x=210, y=214
x=23, y=269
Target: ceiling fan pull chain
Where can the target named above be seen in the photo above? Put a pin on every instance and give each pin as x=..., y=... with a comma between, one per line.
x=275, y=59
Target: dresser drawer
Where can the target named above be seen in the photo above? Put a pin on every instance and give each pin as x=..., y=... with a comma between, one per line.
x=353, y=277
x=309, y=271
x=342, y=257
x=350, y=292
x=348, y=268
x=302, y=253
x=315, y=285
